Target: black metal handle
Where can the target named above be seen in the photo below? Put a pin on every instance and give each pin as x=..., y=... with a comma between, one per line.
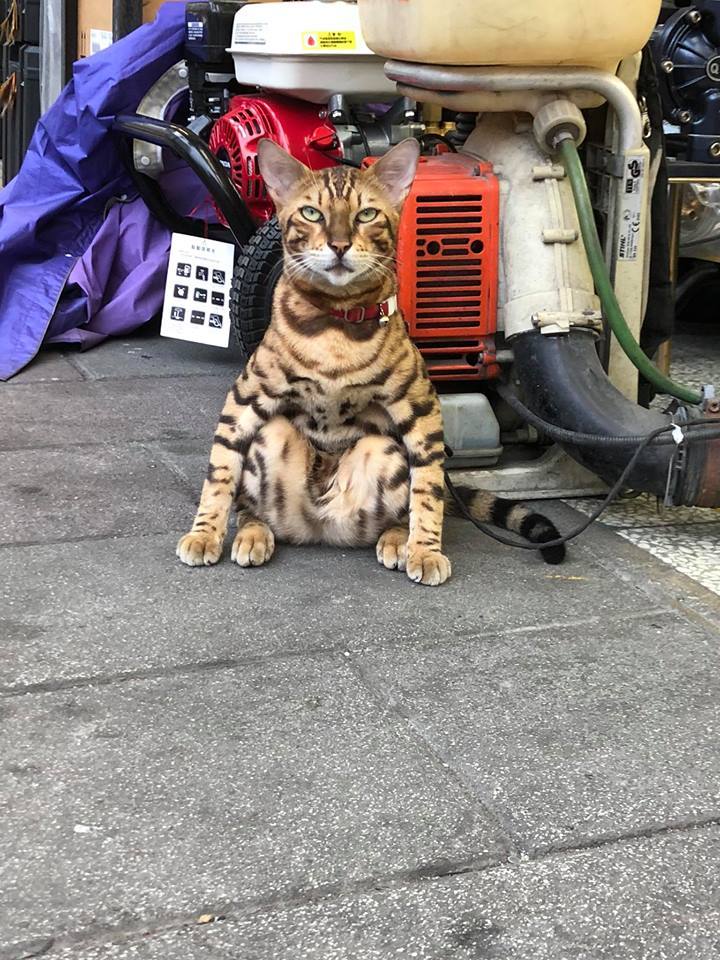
x=190, y=148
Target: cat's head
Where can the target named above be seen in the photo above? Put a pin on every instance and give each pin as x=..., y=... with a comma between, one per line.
x=339, y=224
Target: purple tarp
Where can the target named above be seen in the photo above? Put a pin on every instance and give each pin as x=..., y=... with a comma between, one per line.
x=58, y=218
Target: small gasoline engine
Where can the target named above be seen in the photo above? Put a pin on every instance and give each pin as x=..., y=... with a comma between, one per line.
x=447, y=245
x=528, y=273
x=447, y=251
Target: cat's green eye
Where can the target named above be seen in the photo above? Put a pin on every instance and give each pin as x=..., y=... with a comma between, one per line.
x=312, y=214
x=366, y=215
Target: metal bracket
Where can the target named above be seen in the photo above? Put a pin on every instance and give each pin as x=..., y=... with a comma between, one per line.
x=148, y=157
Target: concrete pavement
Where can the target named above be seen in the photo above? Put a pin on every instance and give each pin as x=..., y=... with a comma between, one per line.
x=319, y=759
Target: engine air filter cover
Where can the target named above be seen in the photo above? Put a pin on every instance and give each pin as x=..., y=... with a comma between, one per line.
x=295, y=126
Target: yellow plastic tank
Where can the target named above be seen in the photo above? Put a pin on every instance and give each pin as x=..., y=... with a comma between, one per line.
x=590, y=33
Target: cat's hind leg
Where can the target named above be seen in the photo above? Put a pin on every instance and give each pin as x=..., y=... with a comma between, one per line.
x=367, y=494
x=391, y=548
x=275, y=493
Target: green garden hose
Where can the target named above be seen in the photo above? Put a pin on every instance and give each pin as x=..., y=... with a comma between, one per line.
x=603, y=286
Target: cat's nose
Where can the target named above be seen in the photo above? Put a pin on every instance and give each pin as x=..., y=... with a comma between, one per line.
x=339, y=249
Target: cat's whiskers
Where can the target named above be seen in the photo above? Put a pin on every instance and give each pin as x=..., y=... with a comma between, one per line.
x=296, y=265
x=377, y=268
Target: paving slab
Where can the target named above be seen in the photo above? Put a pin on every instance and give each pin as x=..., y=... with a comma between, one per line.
x=50, y=365
x=101, y=490
x=571, y=734
x=646, y=899
x=146, y=355
x=152, y=800
x=85, y=412
x=128, y=604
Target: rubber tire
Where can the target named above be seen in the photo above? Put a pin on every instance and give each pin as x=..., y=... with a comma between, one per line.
x=256, y=273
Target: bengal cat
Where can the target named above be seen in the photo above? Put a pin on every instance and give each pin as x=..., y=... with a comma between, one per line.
x=333, y=431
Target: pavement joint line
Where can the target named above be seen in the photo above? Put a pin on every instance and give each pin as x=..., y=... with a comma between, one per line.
x=462, y=636
x=388, y=704
x=699, y=618
x=86, y=538
x=160, y=454
x=89, y=377
x=639, y=833
x=660, y=527
x=238, y=909
x=157, y=673
x=230, y=911
x=232, y=663
x=93, y=444
x=80, y=367
x=170, y=376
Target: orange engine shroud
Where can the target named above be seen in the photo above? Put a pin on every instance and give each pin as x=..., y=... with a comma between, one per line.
x=448, y=266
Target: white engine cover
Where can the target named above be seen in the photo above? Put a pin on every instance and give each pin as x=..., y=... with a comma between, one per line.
x=307, y=48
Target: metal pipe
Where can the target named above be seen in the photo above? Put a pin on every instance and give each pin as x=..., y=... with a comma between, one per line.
x=58, y=32
x=480, y=101
x=190, y=148
x=511, y=79
x=127, y=15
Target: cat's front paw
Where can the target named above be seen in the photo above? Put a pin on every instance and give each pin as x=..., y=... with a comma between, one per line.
x=253, y=545
x=427, y=566
x=199, y=549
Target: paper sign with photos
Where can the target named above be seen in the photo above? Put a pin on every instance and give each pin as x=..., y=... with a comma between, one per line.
x=197, y=290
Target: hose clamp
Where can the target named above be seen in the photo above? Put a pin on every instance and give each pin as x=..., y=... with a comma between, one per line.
x=676, y=466
x=557, y=322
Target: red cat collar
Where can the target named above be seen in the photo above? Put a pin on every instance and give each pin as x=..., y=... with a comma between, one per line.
x=377, y=311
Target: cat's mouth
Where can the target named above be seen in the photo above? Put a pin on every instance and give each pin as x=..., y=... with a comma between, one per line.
x=339, y=268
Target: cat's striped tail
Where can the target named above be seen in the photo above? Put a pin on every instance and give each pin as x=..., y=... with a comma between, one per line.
x=509, y=515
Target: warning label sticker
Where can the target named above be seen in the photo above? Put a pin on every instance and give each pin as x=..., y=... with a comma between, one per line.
x=252, y=33
x=194, y=29
x=630, y=209
x=323, y=40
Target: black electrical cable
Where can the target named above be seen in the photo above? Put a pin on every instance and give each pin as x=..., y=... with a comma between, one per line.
x=611, y=495
x=428, y=139
x=361, y=130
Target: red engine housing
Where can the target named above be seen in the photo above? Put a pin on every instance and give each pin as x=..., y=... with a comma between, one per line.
x=294, y=124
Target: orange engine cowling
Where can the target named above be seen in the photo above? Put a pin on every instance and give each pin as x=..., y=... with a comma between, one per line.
x=448, y=266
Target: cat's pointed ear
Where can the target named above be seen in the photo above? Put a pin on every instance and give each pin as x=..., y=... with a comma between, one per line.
x=282, y=173
x=395, y=170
